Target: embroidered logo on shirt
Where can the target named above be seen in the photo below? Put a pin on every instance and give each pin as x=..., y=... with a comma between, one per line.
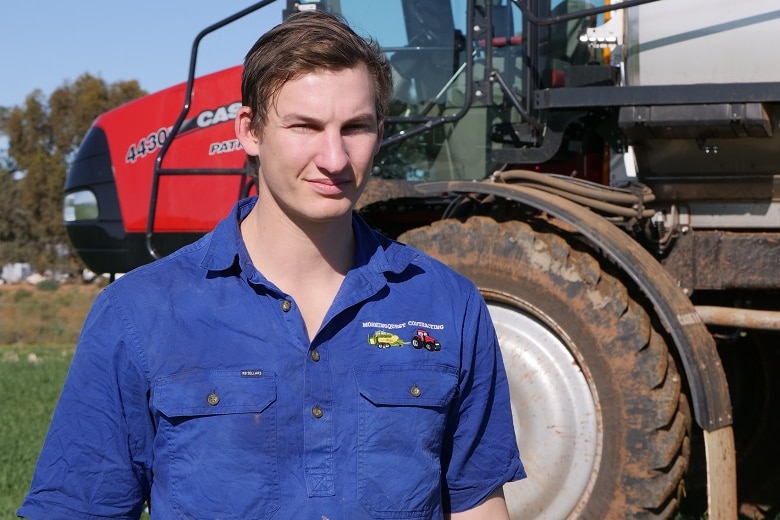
x=384, y=339
x=422, y=339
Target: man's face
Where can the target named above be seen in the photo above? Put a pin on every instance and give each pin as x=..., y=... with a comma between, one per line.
x=317, y=144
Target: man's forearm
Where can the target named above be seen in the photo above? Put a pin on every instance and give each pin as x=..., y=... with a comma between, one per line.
x=493, y=508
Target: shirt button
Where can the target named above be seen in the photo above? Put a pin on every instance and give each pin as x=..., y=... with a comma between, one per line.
x=212, y=399
x=315, y=356
x=286, y=305
x=316, y=412
x=415, y=391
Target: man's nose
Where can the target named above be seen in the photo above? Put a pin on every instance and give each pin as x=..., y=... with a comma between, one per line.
x=332, y=156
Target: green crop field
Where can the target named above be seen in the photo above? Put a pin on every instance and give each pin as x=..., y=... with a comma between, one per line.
x=30, y=380
x=39, y=327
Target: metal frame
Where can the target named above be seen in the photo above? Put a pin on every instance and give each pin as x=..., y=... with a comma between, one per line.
x=592, y=97
x=159, y=171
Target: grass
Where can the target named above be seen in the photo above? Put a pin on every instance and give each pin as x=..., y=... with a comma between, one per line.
x=30, y=380
x=39, y=327
x=44, y=315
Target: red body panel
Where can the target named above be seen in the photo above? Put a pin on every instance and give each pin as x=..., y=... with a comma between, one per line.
x=136, y=131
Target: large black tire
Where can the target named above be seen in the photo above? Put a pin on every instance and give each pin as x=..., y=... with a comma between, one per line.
x=601, y=421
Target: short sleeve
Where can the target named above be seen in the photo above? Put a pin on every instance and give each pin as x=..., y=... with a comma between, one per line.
x=96, y=459
x=482, y=453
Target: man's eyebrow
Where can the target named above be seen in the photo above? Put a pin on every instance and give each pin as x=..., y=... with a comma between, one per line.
x=359, y=119
x=363, y=119
x=294, y=117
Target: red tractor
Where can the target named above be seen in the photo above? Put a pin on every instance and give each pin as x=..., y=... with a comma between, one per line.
x=423, y=339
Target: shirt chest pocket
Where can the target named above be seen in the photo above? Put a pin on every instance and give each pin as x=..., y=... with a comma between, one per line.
x=216, y=443
x=402, y=416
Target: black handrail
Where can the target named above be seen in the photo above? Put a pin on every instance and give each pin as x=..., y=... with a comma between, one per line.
x=158, y=169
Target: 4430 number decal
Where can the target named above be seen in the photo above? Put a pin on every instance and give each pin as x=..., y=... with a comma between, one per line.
x=147, y=145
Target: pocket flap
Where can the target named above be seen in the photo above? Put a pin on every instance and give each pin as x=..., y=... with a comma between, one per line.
x=214, y=392
x=407, y=385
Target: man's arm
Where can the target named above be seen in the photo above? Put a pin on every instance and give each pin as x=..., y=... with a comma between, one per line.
x=97, y=453
x=493, y=508
x=483, y=452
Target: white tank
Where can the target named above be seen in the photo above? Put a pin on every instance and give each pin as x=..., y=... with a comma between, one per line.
x=681, y=42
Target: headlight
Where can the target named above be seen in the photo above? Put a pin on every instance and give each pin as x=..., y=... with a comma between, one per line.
x=80, y=205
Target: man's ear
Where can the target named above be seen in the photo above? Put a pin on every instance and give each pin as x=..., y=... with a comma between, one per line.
x=246, y=135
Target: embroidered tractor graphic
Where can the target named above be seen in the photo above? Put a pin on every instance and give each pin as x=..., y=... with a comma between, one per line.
x=423, y=339
x=383, y=339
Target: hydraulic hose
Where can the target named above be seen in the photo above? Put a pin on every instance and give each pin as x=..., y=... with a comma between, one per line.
x=622, y=202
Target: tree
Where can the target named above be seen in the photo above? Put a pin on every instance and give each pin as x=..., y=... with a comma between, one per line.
x=15, y=238
x=43, y=136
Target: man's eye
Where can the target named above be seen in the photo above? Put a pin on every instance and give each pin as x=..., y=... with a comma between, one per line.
x=359, y=129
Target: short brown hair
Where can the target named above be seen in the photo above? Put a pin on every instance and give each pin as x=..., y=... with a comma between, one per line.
x=306, y=42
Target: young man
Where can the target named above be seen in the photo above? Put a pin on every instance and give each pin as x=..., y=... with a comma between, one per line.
x=269, y=370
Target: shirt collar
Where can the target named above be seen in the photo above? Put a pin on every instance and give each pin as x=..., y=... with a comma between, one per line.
x=375, y=254
x=225, y=245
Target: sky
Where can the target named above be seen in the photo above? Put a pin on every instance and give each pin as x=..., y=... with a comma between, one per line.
x=45, y=43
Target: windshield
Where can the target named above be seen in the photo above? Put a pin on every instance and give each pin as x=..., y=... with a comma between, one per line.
x=458, y=96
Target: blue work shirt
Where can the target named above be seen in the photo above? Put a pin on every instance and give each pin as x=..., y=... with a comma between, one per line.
x=194, y=385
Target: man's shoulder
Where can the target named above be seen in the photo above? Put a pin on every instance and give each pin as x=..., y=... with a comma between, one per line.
x=431, y=267
x=162, y=273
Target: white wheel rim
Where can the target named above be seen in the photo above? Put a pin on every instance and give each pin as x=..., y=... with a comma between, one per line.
x=556, y=415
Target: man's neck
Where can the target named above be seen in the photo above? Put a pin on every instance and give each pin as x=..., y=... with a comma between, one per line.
x=307, y=262
x=282, y=248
